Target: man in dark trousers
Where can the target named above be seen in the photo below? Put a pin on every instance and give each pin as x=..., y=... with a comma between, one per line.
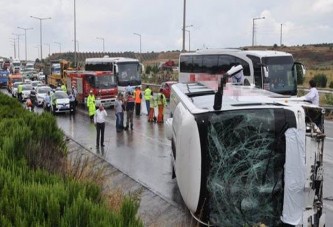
x=129, y=107
x=99, y=120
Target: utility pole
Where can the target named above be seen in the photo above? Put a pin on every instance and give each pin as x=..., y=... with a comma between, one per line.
x=18, y=44
x=281, y=36
x=184, y=25
x=253, y=28
x=25, y=38
x=41, y=33
x=101, y=38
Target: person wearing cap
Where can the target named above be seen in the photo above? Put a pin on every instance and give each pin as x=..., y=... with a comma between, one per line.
x=91, y=105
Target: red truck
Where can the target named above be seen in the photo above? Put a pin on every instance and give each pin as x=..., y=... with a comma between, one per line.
x=103, y=85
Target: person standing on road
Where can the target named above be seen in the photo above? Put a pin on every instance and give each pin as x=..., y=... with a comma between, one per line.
x=47, y=102
x=99, y=120
x=148, y=94
x=129, y=107
x=19, y=92
x=63, y=87
x=33, y=98
x=161, y=103
x=137, y=98
x=119, y=109
x=151, y=115
x=91, y=105
x=313, y=95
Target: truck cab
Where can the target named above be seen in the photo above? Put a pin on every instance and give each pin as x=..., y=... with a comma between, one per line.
x=103, y=85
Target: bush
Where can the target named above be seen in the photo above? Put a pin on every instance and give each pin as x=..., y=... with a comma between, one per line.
x=321, y=80
x=33, y=193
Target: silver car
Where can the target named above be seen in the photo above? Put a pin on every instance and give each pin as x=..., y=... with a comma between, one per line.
x=60, y=102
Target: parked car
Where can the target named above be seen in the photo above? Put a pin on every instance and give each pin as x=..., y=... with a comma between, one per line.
x=61, y=102
x=41, y=92
x=41, y=76
x=26, y=89
x=14, y=88
x=166, y=86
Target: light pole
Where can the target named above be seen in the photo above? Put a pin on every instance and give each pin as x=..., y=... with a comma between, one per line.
x=253, y=19
x=184, y=25
x=18, y=44
x=47, y=44
x=281, y=36
x=140, y=40
x=14, y=44
x=78, y=46
x=41, y=33
x=189, y=40
x=75, y=54
x=38, y=53
x=25, y=39
x=103, y=42
x=59, y=46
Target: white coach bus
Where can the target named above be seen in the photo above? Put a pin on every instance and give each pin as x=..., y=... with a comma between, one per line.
x=126, y=70
x=275, y=71
x=251, y=157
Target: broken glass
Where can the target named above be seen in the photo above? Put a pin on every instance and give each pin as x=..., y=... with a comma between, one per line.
x=245, y=181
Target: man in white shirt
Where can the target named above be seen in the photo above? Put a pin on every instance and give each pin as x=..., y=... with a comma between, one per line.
x=99, y=120
x=313, y=95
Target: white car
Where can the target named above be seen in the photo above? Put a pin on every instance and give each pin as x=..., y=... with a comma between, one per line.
x=61, y=102
x=36, y=84
x=41, y=93
x=26, y=89
x=14, y=89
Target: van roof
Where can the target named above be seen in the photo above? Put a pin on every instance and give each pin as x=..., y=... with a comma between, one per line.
x=199, y=98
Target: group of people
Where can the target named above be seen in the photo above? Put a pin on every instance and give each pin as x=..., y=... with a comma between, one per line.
x=128, y=103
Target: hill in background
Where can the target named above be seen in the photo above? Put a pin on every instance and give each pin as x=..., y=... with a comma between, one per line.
x=319, y=56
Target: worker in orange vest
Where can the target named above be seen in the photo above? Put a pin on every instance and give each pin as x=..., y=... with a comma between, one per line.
x=137, y=99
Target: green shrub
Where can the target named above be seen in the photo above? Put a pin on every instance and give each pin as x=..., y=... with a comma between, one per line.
x=321, y=80
x=34, y=190
x=329, y=99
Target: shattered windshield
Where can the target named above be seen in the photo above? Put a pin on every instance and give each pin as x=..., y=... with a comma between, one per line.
x=245, y=181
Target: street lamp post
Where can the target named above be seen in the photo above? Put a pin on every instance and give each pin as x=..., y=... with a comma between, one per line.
x=189, y=40
x=25, y=40
x=75, y=54
x=41, y=33
x=78, y=46
x=59, y=46
x=281, y=36
x=14, y=44
x=253, y=19
x=184, y=25
x=140, y=40
x=103, y=42
x=18, y=44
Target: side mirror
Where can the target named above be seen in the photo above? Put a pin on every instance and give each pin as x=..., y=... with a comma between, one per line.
x=142, y=68
x=266, y=73
x=116, y=69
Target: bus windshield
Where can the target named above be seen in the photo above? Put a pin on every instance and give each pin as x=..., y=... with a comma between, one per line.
x=282, y=77
x=129, y=74
x=105, y=81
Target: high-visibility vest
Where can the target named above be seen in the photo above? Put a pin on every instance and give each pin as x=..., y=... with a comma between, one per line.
x=91, y=104
x=20, y=88
x=147, y=94
x=137, y=95
x=161, y=100
x=63, y=87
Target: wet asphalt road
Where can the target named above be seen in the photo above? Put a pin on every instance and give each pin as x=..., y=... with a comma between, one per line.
x=144, y=154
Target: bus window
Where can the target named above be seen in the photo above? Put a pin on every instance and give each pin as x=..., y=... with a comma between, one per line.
x=185, y=64
x=210, y=64
x=197, y=64
x=225, y=63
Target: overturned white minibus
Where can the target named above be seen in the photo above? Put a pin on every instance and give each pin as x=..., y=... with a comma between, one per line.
x=254, y=158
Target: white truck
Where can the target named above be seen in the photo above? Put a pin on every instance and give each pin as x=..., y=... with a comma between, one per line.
x=245, y=156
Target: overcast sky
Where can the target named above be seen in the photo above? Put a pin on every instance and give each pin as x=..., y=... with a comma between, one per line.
x=216, y=24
